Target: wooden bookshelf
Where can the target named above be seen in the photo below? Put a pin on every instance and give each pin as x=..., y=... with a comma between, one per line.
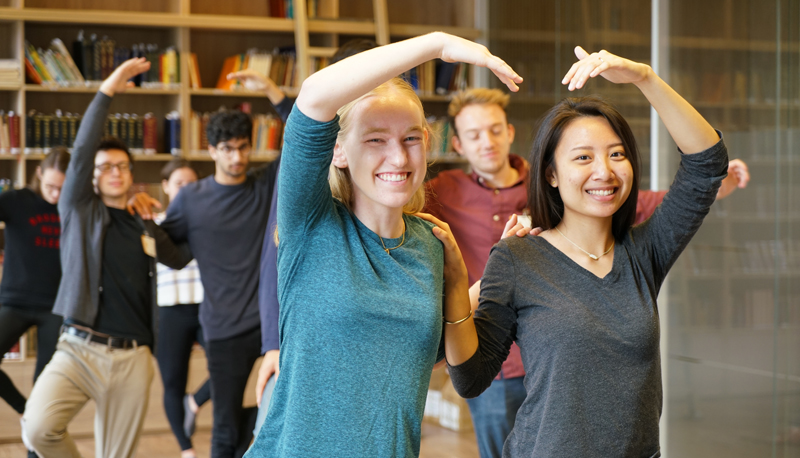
x=211, y=29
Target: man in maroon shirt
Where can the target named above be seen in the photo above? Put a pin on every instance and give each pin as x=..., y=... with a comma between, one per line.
x=477, y=206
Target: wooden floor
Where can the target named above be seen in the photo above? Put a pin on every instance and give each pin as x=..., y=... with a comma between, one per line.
x=157, y=440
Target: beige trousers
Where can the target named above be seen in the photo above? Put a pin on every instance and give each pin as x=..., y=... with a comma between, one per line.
x=117, y=380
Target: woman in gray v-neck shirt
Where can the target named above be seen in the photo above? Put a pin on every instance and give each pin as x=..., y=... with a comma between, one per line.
x=580, y=300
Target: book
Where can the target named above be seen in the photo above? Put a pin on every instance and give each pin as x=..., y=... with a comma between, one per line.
x=82, y=49
x=172, y=133
x=229, y=65
x=58, y=47
x=149, y=133
x=194, y=72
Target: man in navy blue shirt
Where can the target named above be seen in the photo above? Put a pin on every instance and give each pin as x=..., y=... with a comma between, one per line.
x=223, y=218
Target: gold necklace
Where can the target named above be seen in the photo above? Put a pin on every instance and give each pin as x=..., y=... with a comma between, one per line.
x=593, y=256
x=387, y=250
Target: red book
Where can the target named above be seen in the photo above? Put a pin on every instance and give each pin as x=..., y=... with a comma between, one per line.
x=150, y=140
x=13, y=132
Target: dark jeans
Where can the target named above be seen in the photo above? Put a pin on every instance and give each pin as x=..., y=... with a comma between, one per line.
x=178, y=330
x=229, y=364
x=14, y=321
x=493, y=414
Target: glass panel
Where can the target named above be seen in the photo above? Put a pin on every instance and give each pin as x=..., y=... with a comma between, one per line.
x=537, y=38
x=733, y=382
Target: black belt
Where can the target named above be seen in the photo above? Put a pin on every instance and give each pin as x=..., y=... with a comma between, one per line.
x=111, y=341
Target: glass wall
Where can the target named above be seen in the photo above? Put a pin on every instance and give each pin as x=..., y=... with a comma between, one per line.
x=731, y=307
x=733, y=369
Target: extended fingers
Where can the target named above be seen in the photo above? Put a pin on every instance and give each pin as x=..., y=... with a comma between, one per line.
x=588, y=66
x=505, y=73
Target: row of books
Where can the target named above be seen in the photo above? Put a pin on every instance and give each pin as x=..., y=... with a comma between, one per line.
x=438, y=77
x=9, y=73
x=279, y=66
x=751, y=257
x=762, y=143
x=756, y=309
x=94, y=60
x=9, y=133
x=44, y=131
x=266, y=139
x=285, y=8
x=753, y=308
x=703, y=82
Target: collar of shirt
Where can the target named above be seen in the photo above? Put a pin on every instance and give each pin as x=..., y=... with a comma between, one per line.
x=518, y=163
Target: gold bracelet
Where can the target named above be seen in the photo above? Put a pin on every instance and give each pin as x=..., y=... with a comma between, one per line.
x=459, y=321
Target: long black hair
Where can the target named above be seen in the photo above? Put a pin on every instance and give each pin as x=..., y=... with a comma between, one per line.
x=544, y=201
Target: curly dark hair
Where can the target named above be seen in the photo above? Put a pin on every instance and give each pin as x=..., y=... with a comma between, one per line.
x=109, y=143
x=228, y=125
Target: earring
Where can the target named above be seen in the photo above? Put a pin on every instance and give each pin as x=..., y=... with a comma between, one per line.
x=554, y=183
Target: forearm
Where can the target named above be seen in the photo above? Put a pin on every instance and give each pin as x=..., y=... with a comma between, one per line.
x=78, y=182
x=275, y=94
x=171, y=254
x=461, y=339
x=691, y=132
x=324, y=92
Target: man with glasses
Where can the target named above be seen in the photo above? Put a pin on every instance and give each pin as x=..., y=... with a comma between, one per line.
x=106, y=296
x=223, y=218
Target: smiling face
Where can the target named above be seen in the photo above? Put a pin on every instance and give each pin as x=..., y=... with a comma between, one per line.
x=592, y=171
x=484, y=137
x=112, y=173
x=384, y=151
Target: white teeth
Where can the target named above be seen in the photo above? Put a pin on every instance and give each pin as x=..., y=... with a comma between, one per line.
x=393, y=176
x=607, y=192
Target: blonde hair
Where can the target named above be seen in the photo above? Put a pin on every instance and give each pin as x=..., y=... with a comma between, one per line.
x=476, y=96
x=339, y=179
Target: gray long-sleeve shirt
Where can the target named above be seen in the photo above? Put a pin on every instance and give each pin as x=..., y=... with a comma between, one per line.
x=84, y=220
x=590, y=345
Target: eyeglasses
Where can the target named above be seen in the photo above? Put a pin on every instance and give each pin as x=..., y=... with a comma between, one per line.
x=122, y=167
x=228, y=150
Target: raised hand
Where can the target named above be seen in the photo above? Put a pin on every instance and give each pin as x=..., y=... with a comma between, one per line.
x=738, y=177
x=455, y=49
x=256, y=82
x=252, y=80
x=611, y=67
x=118, y=80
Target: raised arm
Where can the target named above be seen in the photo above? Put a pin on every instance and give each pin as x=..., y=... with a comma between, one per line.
x=327, y=90
x=256, y=82
x=78, y=183
x=691, y=132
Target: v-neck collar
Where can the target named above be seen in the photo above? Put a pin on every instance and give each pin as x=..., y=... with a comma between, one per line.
x=610, y=277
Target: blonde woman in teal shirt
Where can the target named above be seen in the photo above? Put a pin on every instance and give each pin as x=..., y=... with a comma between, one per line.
x=360, y=278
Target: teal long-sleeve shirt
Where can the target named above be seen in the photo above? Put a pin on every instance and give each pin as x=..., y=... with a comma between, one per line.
x=360, y=329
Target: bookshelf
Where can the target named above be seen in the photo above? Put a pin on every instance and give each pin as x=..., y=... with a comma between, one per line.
x=213, y=30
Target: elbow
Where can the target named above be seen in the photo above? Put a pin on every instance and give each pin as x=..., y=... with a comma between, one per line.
x=467, y=384
x=310, y=95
